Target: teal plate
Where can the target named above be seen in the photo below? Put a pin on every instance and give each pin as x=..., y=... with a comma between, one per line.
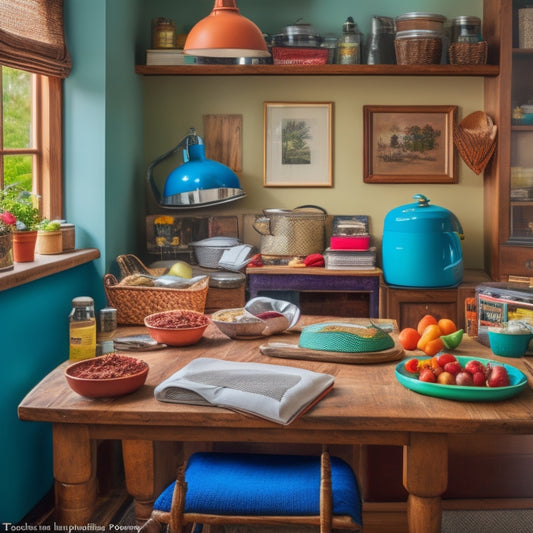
x=459, y=392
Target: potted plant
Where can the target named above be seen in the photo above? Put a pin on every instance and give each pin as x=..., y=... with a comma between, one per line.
x=23, y=205
x=7, y=223
x=49, y=238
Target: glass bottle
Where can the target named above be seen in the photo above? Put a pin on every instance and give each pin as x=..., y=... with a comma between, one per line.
x=107, y=327
x=82, y=329
x=349, y=48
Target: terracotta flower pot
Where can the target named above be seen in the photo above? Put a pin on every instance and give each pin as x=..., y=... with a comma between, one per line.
x=6, y=252
x=24, y=246
x=49, y=242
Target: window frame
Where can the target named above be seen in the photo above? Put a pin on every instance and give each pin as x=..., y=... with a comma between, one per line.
x=47, y=144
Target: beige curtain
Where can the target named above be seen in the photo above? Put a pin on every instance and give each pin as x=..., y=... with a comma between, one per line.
x=32, y=37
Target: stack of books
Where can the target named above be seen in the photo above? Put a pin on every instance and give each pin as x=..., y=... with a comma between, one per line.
x=350, y=259
x=173, y=56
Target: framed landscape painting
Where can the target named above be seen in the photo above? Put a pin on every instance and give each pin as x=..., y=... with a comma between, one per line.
x=297, y=144
x=409, y=144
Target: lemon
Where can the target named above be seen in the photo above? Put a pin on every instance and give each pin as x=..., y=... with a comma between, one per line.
x=452, y=340
x=181, y=269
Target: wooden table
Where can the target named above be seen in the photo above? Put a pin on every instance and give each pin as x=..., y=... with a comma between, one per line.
x=316, y=279
x=367, y=406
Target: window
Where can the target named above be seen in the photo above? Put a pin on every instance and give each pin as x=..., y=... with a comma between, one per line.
x=30, y=140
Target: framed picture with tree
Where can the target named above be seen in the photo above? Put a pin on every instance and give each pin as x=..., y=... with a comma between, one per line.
x=298, y=144
x=409, y=144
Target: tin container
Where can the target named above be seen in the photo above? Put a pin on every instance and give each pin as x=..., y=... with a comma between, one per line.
x=466, y=29
x=418, y=20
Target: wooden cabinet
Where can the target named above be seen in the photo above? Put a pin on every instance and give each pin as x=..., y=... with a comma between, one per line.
x=508, y=185
x=407, y=305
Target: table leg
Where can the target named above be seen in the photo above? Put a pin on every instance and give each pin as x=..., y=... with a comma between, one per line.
x=425, y=476
x=74, y=474
x=149, y=466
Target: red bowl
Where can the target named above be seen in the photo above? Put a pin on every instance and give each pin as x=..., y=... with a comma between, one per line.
x=90, y=377
x=179, y=327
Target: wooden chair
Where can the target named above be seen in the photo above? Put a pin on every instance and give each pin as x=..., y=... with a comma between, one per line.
x=240, y=488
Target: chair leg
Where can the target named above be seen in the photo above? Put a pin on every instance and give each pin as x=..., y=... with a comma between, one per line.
x=178, y=503
x=151, y=526
x=326, y=498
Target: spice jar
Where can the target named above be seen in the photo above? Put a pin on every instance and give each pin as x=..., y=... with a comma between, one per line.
x=82, y=329
x=163, y=33
x=107, y=327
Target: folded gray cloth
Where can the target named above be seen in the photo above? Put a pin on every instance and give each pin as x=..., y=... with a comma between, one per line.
x=277, y=393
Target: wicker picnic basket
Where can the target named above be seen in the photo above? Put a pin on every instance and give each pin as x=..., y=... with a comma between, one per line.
x=134, y=303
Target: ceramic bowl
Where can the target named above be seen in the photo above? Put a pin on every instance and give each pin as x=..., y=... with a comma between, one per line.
x=508, y=344
x=178, y=327
x=107, y=376
x=237, y=323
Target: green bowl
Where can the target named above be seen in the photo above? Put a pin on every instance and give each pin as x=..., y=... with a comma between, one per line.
x=460, y=392
x=509, y=344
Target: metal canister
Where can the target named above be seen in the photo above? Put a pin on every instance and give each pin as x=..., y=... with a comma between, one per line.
x=466, y=29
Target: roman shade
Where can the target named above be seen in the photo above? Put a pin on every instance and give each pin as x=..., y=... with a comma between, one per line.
x=32, y=37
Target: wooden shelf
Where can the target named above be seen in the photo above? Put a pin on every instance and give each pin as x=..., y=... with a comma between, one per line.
x=318, y=70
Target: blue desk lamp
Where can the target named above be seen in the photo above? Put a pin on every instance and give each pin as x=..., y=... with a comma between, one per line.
x=198, y=182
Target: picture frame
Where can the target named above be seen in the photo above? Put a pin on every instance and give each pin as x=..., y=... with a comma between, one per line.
x=298, y=138
x=409, y=144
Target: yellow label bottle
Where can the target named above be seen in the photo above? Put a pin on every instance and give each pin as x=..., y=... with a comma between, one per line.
x=82, y=329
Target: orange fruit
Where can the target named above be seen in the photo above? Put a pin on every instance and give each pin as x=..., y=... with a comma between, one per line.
x=430, y=333
x=409, y=338
x=433, y=346
x=425, y=321
x=447, y=326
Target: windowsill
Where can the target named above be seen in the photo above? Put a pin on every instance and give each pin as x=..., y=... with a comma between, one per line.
x=45, y=265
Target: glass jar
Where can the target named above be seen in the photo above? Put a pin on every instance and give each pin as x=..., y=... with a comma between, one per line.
x=82, y=329
x=163, y=33
x=466, y=30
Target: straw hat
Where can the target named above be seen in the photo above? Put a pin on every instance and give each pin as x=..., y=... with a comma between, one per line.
x=475, y=139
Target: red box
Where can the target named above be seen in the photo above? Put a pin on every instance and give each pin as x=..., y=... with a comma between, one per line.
x=350, y=242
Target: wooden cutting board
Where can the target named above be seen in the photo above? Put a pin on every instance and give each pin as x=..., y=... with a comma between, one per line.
x=293, y=351
x=223, y=139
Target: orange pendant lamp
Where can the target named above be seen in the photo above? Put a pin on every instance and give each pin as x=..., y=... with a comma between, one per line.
x=226, y=33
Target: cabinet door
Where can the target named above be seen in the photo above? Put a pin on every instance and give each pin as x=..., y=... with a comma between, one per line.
x=408, y=306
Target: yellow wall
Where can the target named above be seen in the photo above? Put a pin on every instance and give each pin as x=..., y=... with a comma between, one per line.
x=173, y=104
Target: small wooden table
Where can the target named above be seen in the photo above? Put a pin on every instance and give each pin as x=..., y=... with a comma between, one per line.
x=366, y=406
x=316, y=279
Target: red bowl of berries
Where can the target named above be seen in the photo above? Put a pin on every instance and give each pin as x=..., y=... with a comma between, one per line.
x=179, y=327
x=106, y=376
x=474, y=379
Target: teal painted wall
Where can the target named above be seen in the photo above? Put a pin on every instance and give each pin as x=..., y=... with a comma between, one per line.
x=34, y=335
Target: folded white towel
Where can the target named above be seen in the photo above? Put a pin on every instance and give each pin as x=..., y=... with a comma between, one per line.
x=277, y=393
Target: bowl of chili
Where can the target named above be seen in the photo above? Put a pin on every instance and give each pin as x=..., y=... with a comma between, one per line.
x=106, y=376
x=179, y=327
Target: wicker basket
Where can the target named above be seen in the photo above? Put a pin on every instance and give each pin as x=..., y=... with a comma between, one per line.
x=133, y=304
x=468, y=53
x=299, y=56
x=418, y=50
